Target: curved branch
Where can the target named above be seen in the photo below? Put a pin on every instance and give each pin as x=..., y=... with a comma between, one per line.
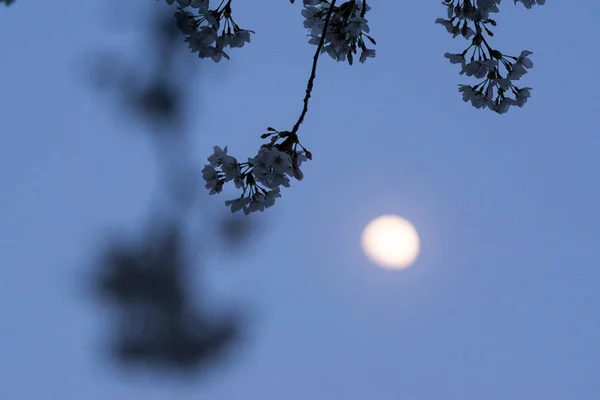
x=313, y=72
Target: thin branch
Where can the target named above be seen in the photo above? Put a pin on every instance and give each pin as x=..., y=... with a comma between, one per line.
x=313, y=73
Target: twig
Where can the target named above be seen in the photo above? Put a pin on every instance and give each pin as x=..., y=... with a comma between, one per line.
x=313, y=73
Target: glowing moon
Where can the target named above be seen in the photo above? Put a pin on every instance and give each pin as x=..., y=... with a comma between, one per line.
x=391, y=242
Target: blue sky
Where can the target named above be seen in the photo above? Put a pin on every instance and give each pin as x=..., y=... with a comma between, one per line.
x=503, y=300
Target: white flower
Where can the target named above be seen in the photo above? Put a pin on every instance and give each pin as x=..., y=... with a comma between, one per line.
x=223, y=41
x=260, y=201
x=488, y=5
x=476, y=99
x=281, y=162
x=200, y=41
x=357, y=26
x=523, y=60
x=216, y=158
x=517, y=71
x=211, y=17
x=501, y=108
x=239, y=38
x=467, y=92
x=264, y=157
x=270, y=166
x=214, y=53
x=529, y=3
x=230, y=167
x=237, y=204
x=312, y=21
x=522, y=95
x=310, y=15
x=336, y=51
x=239, y=182
x=479, y=69
x=503, y=105
x=273, y=180
x=466, y=32
x=260, y=167
x=256, y=203
x=447, y=24
x=300, y=158
x=366, y=53
x=195, y=42
x=211, y=176
x=456, y=59
x=504, y=83
x=207, y=35
x=270, y=197
x=519, y=68
x=489, y=95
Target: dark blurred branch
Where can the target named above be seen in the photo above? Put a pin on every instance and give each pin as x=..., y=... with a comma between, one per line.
x=156, y=320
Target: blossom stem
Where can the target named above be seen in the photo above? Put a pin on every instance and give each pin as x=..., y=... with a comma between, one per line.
x=313, y=72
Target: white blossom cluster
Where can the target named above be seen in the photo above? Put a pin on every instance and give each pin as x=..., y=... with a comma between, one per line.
x=484, y=62
x=346, y=32
x=202, y=28
x=260, y=177
x=340, y=31
x=337, y=30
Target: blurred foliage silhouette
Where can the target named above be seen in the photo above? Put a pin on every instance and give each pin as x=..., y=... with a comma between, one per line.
x=157, y=323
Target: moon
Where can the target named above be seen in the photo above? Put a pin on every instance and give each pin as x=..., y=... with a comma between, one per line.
x=391, y=242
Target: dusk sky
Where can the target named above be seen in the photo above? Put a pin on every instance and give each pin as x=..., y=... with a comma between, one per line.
x=503, y=302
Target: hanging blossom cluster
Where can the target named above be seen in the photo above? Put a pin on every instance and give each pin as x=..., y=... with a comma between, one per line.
x=338, y=31
x=261, y=177
x=202, y=27
x=471, y=20
x=347, y=30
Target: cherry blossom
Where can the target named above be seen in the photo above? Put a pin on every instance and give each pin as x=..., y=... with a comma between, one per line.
x=471, y=19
